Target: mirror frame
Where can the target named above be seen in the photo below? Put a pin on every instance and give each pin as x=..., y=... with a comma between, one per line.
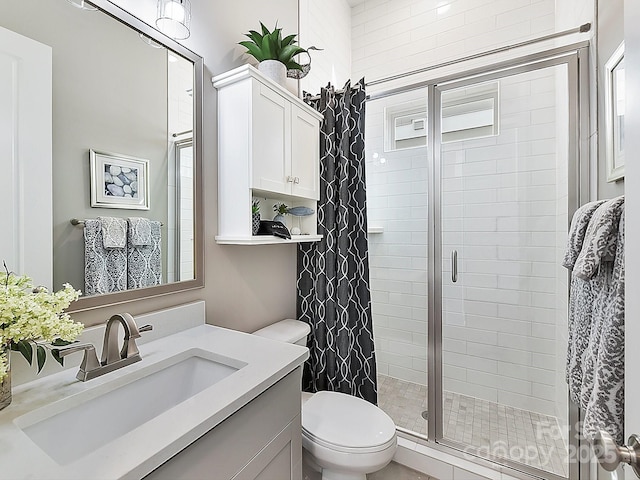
x=98, y=301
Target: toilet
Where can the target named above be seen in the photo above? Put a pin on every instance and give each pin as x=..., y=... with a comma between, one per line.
x=344, y=437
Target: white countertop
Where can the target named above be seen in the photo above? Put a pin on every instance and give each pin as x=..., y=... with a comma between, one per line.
x=143, y=449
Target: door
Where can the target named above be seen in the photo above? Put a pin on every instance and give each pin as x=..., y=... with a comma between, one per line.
x=305, y=151
x=505, y=145
x=25, y=156
x=271, y=141
x=632, y=189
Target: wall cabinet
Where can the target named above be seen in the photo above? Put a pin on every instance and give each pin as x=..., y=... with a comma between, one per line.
x=262, y=440
x=268, y=148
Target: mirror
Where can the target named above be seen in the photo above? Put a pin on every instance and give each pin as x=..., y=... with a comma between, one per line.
x=126, y=143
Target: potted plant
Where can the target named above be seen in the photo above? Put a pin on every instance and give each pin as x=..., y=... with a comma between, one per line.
x=255, y=217
x=274, y=53
x=30, y=320
x=281, y=210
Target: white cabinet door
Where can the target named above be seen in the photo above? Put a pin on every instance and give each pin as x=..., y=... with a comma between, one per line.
x=25, y=157
x=305, y=154
x=271, y=141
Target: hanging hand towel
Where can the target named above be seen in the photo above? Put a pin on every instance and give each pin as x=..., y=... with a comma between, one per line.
x=139, y=231
x=581, y=300
x=578, y=229
x=596, y=264
x=114, y=232
x=144, y=267
x=105, y=269
x=599, y=240
x=605, y=403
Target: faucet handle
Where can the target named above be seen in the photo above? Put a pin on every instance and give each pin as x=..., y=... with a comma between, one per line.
x=89, y=361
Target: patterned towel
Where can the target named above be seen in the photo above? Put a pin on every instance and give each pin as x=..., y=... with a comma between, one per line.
x=603, y=382
x=114, y=232
x=105, y=269
x=600, y=238
x=139, y=231
x=581, y=300
x=144, y=267
x=579, y=224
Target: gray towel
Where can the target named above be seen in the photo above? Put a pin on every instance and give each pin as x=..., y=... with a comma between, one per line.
x=603, y=388
x=105, y=269
x=581, y=300
x=145, y=261
x=114, y=232
x=595, y=266
x=579, y=224
x=139, y=231
x=600, y=238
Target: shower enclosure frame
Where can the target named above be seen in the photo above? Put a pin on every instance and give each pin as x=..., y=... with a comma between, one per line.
x=576, y=58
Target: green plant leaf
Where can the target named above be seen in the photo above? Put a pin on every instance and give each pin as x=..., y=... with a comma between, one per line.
x=255, y=36
x=26, y=350
x=265, y=30
x=58, y=342
x=293, y=65
x=254, y=50
x=288, y=40
x=41, y=357
x=287, y=53
x=55, y=353
x=266, y=48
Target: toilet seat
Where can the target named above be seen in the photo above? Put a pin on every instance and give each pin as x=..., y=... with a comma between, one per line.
x=348, y=424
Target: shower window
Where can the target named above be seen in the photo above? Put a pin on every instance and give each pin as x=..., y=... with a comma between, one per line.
x=470, y=112
x=405, y=125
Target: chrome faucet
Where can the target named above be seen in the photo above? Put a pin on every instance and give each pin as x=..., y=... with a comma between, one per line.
x=112, y=358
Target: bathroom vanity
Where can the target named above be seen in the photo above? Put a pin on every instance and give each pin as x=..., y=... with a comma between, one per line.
x=204, y=402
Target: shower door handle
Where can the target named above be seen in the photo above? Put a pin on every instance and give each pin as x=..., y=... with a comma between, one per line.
x=454, y=266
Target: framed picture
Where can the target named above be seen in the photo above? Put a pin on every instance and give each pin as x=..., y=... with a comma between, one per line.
x=614, y=85
x=119, y=181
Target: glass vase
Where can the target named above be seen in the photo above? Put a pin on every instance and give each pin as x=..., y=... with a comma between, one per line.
x=5, y=384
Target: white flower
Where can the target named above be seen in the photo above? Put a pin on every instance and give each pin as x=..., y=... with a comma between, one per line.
x=28, y=315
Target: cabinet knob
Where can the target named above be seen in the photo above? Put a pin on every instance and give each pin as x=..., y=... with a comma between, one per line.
x=296, y=180
x=289, y=179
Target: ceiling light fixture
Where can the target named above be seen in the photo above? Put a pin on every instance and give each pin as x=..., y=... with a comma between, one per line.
x=82, y=5
x=174, y=18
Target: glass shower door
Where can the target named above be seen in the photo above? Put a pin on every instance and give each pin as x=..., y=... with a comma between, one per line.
x=504, y=155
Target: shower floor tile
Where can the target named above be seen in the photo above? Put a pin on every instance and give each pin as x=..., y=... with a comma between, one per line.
x=527, y=437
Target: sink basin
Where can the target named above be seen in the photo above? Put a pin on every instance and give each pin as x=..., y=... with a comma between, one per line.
x=78, y=425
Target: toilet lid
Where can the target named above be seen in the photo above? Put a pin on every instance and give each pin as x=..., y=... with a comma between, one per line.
x=347, y=421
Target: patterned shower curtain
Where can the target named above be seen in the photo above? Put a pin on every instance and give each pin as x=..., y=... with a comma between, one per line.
x=333, y=274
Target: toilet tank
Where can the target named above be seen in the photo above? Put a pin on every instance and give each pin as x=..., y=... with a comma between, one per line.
x=289, y=331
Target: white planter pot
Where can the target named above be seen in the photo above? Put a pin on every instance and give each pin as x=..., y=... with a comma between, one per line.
x=274, y=70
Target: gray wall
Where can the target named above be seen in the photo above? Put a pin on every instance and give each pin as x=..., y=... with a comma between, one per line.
x=245, y=287
x=609, y=35
x=109, y=94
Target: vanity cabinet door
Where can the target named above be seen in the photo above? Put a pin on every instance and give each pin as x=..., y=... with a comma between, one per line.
x=275, y=460
x=263, y=437
x=305, y=153
x=271, y=141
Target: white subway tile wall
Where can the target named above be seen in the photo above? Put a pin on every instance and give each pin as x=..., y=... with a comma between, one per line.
x=397, y=201
x=506, y=226
x=326, y=24
x=395, y=36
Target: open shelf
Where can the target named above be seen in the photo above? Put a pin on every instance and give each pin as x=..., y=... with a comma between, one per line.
x=266, y=240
